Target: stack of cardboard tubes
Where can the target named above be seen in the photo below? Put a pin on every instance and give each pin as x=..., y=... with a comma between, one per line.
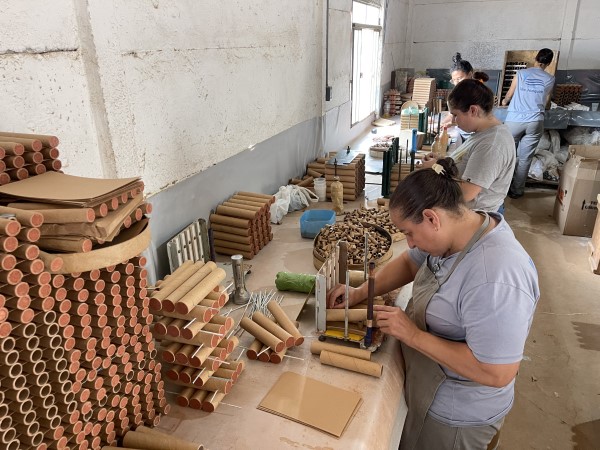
x=23, y=155
x=242, y=224
x=352, y=175
x=193, y=334
x=77, y=357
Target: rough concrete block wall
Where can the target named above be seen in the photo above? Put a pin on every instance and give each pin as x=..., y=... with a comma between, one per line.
x=44, y=87
x=483, y=30
x=160, y=89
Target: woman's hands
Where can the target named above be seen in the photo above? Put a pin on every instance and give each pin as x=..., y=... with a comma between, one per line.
x=336, y=296
x=393, y=321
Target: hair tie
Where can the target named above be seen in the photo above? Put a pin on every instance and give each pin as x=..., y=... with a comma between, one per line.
x=438, y=169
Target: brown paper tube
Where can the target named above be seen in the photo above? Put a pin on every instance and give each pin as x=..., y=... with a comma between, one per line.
x=9, y=244
x=253, y=349
x=338, y=315
x=232, y=251
x=217, y=384
x=265, y=354
x=196, y=294
x=227, y=374
x=277, y=357
x=12, y=276
x=44, y=139
x=257, y=209
x=32, y=158
x=229, y=344
x=27, y=251
x=197, y=398
x=35, y=169
x=229, y=221
x=230, y=237
x=284, y=322
x=273, y=328
x=29, y=235
x=7, y=261
x=229, y=230
x=80, y=245
x=349, y=363
x=20, y=303
x=18, y=174
x=15, y=162
x=261, y=197
x=262, y=335
x=212, y=401
x=11, y=148
x=24, y=316
x=11, y=371
x=234, y=245
x=157, y=441
x=197, y=276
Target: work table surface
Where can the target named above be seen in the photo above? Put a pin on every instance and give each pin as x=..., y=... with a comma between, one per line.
x=378, y=421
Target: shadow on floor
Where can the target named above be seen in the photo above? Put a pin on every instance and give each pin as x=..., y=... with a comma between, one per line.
x=586, y=436
x=588, y=335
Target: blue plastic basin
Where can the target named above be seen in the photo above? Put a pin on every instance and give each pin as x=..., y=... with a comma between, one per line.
x=313, y=220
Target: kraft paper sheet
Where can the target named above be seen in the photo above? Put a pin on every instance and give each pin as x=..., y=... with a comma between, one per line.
x=311, y=402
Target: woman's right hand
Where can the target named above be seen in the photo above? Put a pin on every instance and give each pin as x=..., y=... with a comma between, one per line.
x=336, y=297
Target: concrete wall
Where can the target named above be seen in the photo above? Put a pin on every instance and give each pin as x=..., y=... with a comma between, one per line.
x=159, y=89
x=482, y=30
x=396, y=46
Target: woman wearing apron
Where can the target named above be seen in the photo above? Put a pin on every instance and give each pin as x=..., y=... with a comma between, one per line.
x=463, y=332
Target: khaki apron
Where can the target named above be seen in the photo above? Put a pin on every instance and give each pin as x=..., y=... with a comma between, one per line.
x=423, y=375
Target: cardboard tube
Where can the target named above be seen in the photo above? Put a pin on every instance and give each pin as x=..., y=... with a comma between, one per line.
x=229, y=221
x=261, y=197
x=230, y=237
x=248, y=248
x=273, y=328
x=173, y=281
x=197, y=399
x=232, y=251
x=253, y=349
x=262, y=335
x=284, y=321
x=170, y=301
x=238, y=231
x=349, y=363
x=338, y=315
x=195, y=295
x=154, y=441
x=217, y=384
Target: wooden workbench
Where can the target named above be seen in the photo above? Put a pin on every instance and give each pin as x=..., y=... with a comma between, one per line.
x=379, y=420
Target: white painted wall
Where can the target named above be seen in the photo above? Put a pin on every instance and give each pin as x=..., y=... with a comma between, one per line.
x=482, y=30
x=395, y=39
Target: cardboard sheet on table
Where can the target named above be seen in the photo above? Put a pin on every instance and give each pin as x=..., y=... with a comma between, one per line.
x=311, y=402
x=56, y=187
x=105, y=228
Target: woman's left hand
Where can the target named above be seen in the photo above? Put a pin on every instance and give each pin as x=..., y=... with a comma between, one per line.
x=393, y=321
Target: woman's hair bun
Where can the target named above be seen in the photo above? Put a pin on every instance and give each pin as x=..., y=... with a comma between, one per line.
x=456, y=58
x=450, y=169
x=481, y=76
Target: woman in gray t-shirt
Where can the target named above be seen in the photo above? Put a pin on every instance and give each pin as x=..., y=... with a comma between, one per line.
x=463, y=333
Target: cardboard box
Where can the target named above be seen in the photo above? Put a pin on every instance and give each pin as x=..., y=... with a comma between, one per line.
x=576, y=204
x=594, y=245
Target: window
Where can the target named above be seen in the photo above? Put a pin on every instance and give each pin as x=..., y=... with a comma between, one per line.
x=366, y=59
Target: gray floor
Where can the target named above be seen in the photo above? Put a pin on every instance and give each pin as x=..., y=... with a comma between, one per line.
x=557, y=403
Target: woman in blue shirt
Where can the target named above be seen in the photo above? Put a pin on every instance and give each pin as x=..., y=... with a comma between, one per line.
x=528, y=96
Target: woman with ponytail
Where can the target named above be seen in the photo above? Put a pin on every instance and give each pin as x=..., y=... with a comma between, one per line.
x=463, y=331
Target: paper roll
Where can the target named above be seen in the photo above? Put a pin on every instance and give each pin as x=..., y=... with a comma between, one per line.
x=284, y=321
x=262, y=335
x=273, y=328
x=349, y=363
x=316, y=347
x=338, y=315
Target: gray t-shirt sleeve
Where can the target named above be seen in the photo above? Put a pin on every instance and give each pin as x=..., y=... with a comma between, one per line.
x=485, y=164
x=417, y=256
x=497, y=318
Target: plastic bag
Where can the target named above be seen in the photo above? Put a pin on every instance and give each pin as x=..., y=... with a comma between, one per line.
x=280, y=207
x=290, y=198
x=300, y=198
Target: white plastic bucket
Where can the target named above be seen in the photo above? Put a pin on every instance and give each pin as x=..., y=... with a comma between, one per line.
x=321, y=188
